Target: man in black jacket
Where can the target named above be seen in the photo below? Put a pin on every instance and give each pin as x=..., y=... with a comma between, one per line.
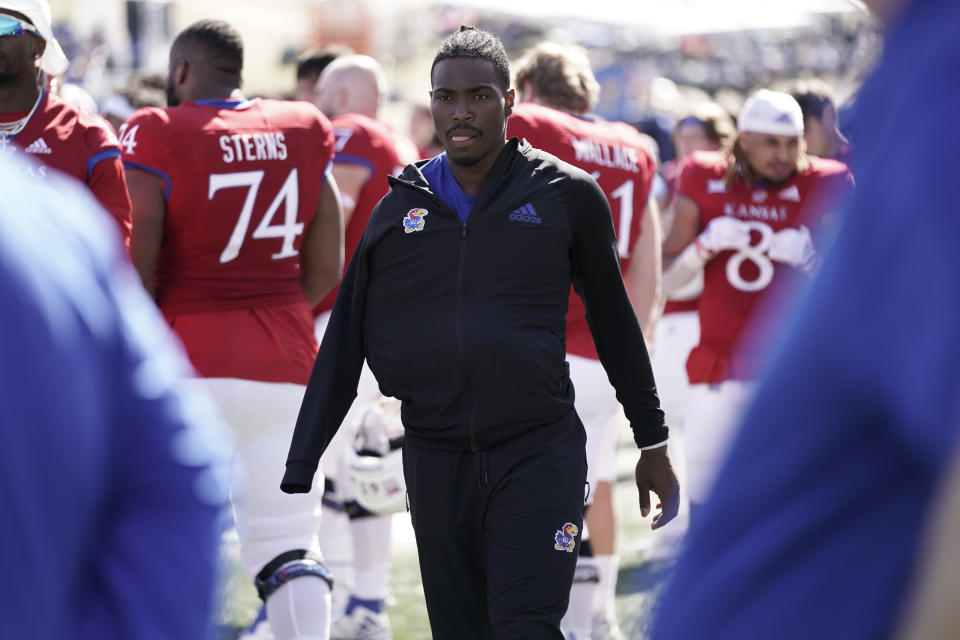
x=457, y=297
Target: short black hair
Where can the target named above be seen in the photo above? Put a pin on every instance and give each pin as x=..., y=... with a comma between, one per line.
x=470, y=42
x=813, y=96
x=312, y=62
x=214, y=43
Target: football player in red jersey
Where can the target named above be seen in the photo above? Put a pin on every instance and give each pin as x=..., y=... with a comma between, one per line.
x=35, y=122
x=350, y=91
x=238, y=234
x=748, y=218
x=557, y=89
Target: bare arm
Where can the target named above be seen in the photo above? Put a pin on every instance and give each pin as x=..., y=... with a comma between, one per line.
x=321, y=255
x=350, y=179
x=681, y=261
x=148, y=215
x=685, y=215
x=643, y=276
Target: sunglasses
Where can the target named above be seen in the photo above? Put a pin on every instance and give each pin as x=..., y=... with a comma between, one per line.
x=10, y=26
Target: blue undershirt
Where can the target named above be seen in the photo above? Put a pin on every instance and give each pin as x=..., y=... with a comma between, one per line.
x=441, y=180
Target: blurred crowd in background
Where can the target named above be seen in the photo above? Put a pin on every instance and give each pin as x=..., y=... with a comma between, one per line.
x=652, y=71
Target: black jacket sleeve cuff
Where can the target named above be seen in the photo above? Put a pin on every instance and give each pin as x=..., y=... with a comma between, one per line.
x=643, y=437
x=298, y=478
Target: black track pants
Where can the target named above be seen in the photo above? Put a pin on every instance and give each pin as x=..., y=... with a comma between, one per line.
x=493, y=532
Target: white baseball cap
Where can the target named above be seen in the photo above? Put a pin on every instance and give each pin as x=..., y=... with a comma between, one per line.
x=771, y=112
x=53, y=61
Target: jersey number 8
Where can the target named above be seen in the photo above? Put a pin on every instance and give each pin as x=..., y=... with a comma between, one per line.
x=755, y=254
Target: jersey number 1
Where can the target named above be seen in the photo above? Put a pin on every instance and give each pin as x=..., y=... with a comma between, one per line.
x=288, y=196
x=624, y=193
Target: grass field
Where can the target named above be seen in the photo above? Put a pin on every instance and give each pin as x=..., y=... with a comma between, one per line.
x=637, y=585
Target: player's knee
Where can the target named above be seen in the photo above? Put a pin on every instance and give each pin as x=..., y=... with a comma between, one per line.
x=289, y=566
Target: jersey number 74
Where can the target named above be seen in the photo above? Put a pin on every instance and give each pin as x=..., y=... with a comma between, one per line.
x=288, y=196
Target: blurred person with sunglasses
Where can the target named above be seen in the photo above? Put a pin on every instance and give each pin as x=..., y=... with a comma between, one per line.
x=39, y=124
x=113, y=470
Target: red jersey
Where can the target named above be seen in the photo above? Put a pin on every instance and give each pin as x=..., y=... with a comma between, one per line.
x=615, y=154
x=242, y=182
x=79, y=144
x=735, y=281
x=369, y=143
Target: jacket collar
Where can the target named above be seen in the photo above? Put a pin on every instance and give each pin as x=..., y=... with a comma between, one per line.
x=412, y=176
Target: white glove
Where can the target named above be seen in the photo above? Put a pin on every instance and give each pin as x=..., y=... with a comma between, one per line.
x=721, y=234
x=371, y=430
x=793, y=247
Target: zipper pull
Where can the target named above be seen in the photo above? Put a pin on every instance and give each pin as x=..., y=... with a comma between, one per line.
x=464, y=233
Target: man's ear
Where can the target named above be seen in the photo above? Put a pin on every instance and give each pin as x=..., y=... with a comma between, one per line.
x=742, y=141
x=40, y=45
x=508, y=102
x=181, y=71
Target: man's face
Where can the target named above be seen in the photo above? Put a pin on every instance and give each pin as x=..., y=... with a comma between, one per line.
x=469, y=109
x=815, y=135
x=691, y=137
x=773, y=158
x=307, y=88
x=18, y=54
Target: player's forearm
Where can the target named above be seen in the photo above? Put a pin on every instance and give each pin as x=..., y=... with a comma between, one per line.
x=643, y=279
x=321, y=257
x=318, y=283
x=149, y=214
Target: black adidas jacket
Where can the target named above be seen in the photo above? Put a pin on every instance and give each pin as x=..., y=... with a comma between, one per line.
x=465, y=322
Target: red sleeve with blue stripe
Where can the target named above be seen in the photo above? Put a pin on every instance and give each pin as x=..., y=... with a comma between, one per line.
x=143, y=144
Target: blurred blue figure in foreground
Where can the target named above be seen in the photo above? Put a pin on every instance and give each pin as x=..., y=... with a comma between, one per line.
x=825, y=494
x=112, y=478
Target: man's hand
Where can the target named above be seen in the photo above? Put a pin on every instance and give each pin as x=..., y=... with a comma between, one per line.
x=721, y=234
x=793, y=247
x=655, y=473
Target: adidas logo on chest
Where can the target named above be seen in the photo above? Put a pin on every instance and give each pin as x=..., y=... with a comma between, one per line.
x=527, y=214
x=39, y=146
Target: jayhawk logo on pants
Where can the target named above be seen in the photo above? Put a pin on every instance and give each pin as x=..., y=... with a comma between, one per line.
x=414, y=220
x=566, y=538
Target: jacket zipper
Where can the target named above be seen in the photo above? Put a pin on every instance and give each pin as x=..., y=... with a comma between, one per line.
x=471, y=426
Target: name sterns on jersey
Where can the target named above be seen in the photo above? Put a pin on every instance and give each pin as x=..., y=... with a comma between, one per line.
x=604, y=155
x=250, y=147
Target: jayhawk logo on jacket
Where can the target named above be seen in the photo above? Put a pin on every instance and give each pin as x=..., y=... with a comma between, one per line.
x=566, y=538
x=414, y=220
